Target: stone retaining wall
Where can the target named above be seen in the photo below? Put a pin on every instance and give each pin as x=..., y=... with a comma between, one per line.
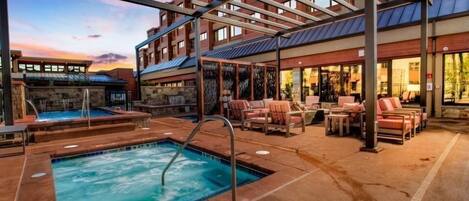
x=56, y=98
x=155, y=95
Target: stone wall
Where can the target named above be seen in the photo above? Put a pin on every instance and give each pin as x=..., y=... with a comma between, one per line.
x=56, y=98
x=157, y=100
x=18, y=99
x=457, y=112
x=155, y=95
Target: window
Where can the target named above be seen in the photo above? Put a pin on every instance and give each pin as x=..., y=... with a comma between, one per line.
x=382, y=79
x=221, y=14
x=221, y=34
x=290, y=4
x=164, y=50
x=181, y=44
x=286, y=84
x=150, y=56
x=235, y=31
x=181, y=5
x=456, y=84
x=53, y=68
x=163, y=17
x=255, y=15
x=30, y=67
x=406, y=79
x=310, y=82
x=203, y=36
x=76, y=69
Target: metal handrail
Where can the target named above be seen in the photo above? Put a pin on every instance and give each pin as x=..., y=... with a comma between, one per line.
x=229, y=126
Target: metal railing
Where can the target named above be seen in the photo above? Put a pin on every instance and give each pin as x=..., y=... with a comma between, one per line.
x=85, y=107
x=229, y=126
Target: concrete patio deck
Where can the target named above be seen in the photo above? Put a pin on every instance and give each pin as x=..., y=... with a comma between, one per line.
x=307, y=166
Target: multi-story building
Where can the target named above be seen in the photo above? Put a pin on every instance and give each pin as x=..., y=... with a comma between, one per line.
x=180, y=43
x=328, y=60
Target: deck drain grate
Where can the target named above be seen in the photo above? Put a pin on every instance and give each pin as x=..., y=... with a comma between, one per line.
x=262, y=152
x=71, y=146
x=39, y=174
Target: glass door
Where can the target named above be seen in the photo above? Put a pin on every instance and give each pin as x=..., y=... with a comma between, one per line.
x=310, y=82
x=330, y=83
x=352, y=79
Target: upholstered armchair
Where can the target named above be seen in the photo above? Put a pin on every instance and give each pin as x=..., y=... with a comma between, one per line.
x=312, y=102
x=393, y=126
x=283, y=118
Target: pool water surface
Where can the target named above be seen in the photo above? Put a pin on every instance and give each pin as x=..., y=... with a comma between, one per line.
x=134, y=173
x=67, y=115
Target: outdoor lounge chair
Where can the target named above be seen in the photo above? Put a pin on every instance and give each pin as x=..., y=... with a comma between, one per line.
x=396, y=103
x=393, y=126
x=386, y=107
x=239, y=110
x=283, y=118
x=312, y=102
x=345, y=99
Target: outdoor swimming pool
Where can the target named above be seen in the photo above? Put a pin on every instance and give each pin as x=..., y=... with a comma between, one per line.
x=133, y=173
x=67, y=115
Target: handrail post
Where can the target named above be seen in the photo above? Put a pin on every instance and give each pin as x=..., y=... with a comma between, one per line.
x=229, y=126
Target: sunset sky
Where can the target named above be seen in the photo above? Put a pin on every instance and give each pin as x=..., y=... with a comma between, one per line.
x=105, y=31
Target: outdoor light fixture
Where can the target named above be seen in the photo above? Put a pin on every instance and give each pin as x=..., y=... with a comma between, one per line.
x=39, y=174
x=70, y=146
x=167, y=133
x=262, y=152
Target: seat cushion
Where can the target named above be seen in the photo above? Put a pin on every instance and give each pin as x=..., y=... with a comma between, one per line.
x=260, y=120
x=295, y=119
x=424, y=116
x=386, y=105
x=250, y=115
x=394, y=124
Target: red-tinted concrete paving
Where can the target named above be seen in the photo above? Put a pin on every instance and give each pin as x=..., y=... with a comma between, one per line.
x=306, y=166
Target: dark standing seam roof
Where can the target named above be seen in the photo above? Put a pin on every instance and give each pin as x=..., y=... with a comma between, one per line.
x=166, y=65
x=386, y=19
x=93, y=78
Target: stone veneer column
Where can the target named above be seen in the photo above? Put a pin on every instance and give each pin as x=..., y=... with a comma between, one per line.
x=18, y=99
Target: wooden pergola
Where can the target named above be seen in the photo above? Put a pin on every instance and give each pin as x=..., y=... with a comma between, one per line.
x=275, y=29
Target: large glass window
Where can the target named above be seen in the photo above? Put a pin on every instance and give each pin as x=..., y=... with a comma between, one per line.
x=221, y=34
x=286, y=81
x=330, y=83
x=456, y=84
x=352, y=78
x=382, y=79
x=235, y=31
x=310, y=82
x=406, y=79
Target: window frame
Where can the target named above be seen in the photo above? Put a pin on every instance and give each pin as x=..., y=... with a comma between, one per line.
x=443, y=103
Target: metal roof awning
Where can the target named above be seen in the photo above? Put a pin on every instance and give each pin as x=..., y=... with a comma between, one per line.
x=164, y=66
x=79, y=78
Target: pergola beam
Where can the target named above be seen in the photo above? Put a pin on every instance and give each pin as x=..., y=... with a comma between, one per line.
x=291, y=10
x=348, y=5
x=348, y=15
x=249, y=26
x=162, y=6
x=267, y=13
x=315, y=6
x=243, y=15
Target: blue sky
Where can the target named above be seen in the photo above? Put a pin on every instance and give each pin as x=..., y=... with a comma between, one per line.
x=80, y=29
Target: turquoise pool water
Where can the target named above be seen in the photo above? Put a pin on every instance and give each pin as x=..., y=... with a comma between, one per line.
x=67, y=115
x=133, y=174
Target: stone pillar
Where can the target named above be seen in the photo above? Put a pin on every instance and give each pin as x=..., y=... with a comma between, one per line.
x=18, y=99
